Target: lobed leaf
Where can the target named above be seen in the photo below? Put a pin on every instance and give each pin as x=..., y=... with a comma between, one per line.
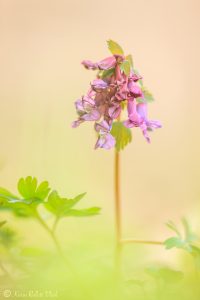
x=61, y=206
x=125, y=67
x=189, y=234
x=42, y=190
x=175, y=242
x=29, y=189
x=23, y=208
x=122, y=135
x=173, y=227
x=5, y=195
x=115, y=48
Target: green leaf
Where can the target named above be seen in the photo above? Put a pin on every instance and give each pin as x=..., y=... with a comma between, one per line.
x=129, y=58
x=107, y=73
x=60, y=206
x=92, y=211
x=189, y=235
x=122, y=135
x=115, y=48
x=6, y=195
x=174, y=242
x=173, y=227
x=125, y=67
x=5, y=198
x=23, y=208
x=42, y=190
x=28, y=188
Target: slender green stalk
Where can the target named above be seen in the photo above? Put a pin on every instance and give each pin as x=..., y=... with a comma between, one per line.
x=51, y=233
x=118, y=246
x=58, y=247
x=55, y=224
x=56, y=243
x=133, y=241
x=118, y=224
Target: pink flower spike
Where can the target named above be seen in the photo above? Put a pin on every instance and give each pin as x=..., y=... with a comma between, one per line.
x=115, y=87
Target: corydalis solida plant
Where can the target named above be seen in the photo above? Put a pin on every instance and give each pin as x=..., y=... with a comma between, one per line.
x=117, y=86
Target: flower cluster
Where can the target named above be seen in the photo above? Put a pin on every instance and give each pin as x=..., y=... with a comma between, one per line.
x=116, y=86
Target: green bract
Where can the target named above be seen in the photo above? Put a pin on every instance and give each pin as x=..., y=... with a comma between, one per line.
x=29, y=188
x=115, y=48
x=62, y=207
x=125, y=67
x=185, y=241
x=122, y=135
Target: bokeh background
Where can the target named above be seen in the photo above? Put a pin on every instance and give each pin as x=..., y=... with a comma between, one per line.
x=42, y=45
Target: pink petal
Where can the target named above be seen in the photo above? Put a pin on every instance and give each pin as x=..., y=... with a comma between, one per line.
x=114, y=111
x=103, y=126
x=90, y=65
x=94, y=115
x=106, y=141
x=135, y=89
x=107, y=63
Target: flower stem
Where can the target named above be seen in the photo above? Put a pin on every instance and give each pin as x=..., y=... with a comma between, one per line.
x=118, y=246
x=55, y=224
x=59, y=249
x=132, y=241
x=51, y=233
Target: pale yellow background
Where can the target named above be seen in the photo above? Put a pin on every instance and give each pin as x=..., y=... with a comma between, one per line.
x=42, y=45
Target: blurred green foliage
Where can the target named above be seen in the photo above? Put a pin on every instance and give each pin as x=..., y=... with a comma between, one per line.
x=85, y=270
